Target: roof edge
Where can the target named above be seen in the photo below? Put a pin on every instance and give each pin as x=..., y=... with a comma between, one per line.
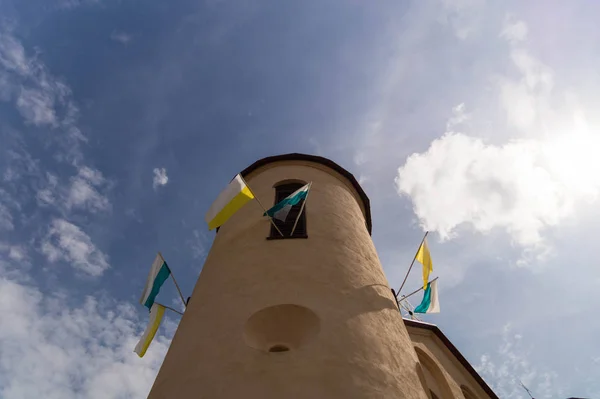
x=323, y=161
x=465, y=363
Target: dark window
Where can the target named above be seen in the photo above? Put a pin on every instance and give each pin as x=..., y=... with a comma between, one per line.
x=286, y=227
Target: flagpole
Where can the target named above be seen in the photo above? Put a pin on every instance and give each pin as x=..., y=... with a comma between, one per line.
x=170, y=308
x=528, y=391
x=412, y=263
x=301, y=209
x=261, y=205
x=415, y=291
x=175, y=281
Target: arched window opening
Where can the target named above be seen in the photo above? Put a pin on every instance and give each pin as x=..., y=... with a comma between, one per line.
x=285, y=223
x=434, y=377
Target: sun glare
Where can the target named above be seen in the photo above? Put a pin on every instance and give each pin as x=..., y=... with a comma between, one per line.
x=572, y=157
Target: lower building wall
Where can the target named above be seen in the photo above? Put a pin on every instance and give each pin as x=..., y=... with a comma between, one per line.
x=438, y=379
x=444, y=374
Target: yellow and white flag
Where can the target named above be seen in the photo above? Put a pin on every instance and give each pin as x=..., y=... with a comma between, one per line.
x=424, y=257
x=156, y=314
x=236, y=195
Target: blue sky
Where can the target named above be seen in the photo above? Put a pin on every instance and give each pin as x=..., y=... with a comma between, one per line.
x=121, y=121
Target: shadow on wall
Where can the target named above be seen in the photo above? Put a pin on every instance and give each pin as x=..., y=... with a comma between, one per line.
x=419, y=370
x=372, y=298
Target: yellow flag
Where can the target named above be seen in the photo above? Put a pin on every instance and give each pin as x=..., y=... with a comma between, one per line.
x=424, y=257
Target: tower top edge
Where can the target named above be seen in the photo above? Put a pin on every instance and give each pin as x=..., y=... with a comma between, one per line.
x=322, y=161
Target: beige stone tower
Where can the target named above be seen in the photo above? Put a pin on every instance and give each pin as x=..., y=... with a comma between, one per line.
x=310, y=317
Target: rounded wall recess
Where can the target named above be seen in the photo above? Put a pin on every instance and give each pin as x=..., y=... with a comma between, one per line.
x=279, y=348
x=281, y=328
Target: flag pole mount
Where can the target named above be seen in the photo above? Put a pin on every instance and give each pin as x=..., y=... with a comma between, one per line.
x=408, y=308
x=170, y=308
x=176, y=285
x=415, y=291
x=261, y=205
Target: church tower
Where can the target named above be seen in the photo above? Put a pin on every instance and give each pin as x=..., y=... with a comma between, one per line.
x=309, y=316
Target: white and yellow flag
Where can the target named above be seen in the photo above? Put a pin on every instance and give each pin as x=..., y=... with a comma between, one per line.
x=235, y=196
x=156, y=314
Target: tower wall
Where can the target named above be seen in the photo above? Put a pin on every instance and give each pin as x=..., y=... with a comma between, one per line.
x=325, y=298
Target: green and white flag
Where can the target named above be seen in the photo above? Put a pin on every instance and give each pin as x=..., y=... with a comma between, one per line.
x=159, y=272
x=430, y=302
x=282, y=208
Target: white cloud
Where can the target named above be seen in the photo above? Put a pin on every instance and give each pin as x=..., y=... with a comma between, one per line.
x=519, y=103
x=52, y=350
x=18, y=163
x=463, y=15
x=160, y=177
x=526, y=98
x=40, y=98
x=83, y=194
x=461, y=180
x=83, y=191
x=76, y=3
x=6, y=220
x=514, y=31
x=522, y=186
x=65, y=241
x=7, y=199
x=12, y=55
x=94, y=176
x=5, y=87
x=197, y=244
x=121, y=37
x=45, y=196
x=459, y=116
x=17, y=253
x=37, y=107
x=86, y=190
x=505, y=369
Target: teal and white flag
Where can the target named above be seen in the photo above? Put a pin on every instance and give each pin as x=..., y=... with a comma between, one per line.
x=430, y=303
x=283, y=207
x=158, y=274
